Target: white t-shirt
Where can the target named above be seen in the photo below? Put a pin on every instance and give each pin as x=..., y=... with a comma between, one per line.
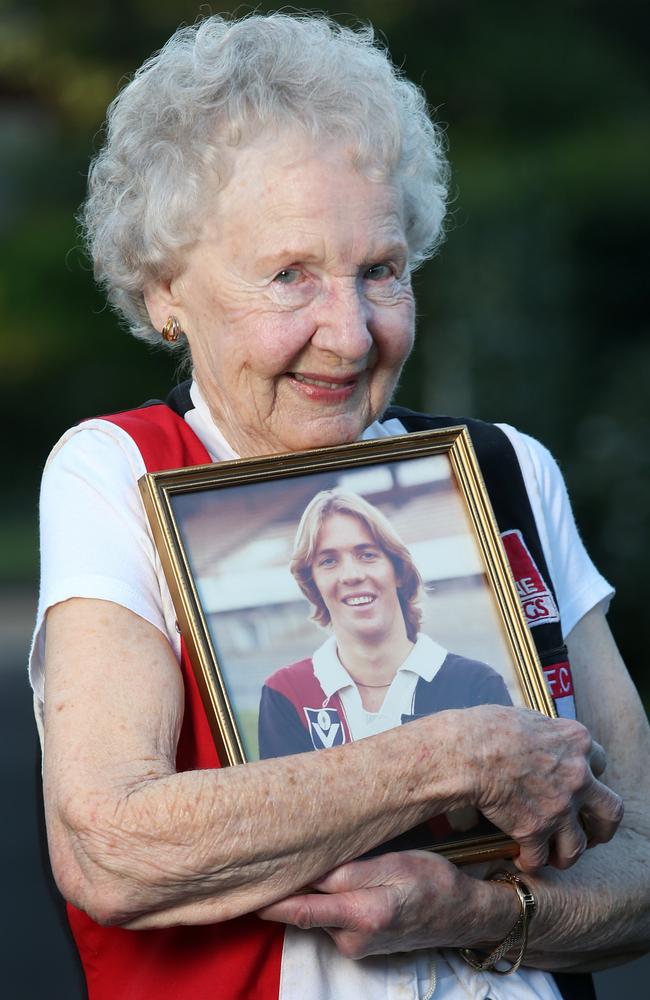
x=95, y=543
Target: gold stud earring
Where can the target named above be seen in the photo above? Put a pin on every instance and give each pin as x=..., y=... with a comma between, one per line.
x=171, y=331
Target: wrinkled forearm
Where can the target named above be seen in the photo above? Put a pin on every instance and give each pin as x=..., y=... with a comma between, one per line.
x=596, y=914
x=134, y=843
x=204, y=846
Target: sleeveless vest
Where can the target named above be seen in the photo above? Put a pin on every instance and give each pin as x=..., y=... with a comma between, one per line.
x=241, y=959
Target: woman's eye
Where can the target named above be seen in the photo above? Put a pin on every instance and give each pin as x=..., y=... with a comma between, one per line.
x=378, y=272
x=368, y=555
x=325, y=562
x=287, y=276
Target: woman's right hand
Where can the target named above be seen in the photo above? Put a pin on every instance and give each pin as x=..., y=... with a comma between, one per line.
x=536, y=779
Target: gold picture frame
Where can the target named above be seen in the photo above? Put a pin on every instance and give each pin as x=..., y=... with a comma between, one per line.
x=224, y=533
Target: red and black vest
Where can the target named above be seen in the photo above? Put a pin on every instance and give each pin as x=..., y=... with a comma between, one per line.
x=241, y=959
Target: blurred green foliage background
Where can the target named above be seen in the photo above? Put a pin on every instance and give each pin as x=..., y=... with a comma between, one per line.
x=535, y=312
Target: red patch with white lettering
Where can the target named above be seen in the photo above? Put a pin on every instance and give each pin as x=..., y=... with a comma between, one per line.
x=558, y=678
x=536, y=599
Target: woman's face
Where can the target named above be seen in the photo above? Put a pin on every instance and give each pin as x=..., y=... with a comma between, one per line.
x=356, y=580
x=296, y=300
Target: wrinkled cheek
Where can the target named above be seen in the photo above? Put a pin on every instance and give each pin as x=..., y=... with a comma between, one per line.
x=279, y=346
x=398, y=350
x=407, y=347
x=401, y=339
x=410, y=326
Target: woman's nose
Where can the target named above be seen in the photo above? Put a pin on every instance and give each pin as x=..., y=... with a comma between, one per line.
x=343, y=324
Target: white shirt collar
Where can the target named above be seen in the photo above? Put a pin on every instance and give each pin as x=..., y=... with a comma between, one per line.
x=201, y=422
x=425, y=660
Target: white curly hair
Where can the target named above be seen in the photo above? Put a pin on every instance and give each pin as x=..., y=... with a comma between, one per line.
x=174, y=128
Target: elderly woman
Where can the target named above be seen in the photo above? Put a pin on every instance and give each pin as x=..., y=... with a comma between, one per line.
x=377, y=670
x=265, y=190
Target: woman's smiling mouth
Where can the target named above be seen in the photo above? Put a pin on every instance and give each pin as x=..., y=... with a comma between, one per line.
x=324, y=388
x=318, y=380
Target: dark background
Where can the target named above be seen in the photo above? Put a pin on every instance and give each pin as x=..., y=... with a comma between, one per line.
x=535, y=312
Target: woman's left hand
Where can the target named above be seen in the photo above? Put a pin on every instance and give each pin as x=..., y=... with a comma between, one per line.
x=400, y=902
x=592, y=915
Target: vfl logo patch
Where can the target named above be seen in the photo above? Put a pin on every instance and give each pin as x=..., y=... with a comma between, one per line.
x=325, y=728
x=536, y=599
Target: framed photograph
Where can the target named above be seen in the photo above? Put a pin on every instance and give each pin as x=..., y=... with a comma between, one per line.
x=329, y=595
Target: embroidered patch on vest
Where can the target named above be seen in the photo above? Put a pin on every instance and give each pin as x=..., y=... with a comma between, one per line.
x=558, y=677
x=536, y=599
x=325, y=728
x=560, y=684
